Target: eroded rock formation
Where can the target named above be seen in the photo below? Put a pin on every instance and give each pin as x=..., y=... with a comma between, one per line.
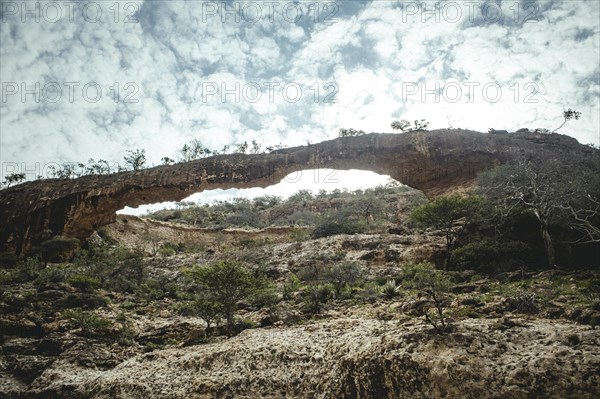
x=435, y=162
x=345, y=358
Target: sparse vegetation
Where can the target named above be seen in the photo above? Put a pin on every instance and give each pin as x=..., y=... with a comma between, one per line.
x=350, y=132
x=13, y=178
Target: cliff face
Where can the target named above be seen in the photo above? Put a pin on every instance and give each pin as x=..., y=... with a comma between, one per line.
x=435, y=162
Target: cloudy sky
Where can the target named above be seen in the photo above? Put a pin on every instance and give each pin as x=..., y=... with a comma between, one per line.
x=92, y=79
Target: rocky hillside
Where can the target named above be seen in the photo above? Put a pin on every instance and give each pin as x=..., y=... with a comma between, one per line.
x=518, y=334
x=337, y=295
x=347, y=357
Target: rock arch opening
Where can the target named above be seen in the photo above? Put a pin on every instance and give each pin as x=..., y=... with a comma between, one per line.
x=435, y=162
x=312, y=180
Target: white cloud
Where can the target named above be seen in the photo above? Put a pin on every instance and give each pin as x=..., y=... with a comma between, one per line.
x=369, y=53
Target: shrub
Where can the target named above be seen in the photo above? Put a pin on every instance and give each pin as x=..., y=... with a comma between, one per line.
x=317, y=295
x=264, y=296
x=132, y=266
x=243, y=324
x=153, y=289
x=341, y=275
x=167, y=249
x=204, y=307
x=524, y=302
x=50, y=275
x=291, y=286
x=88, y=322
x=27, y=269
x=328, y=228
x=445, y=214
x=84, y=282
x=410, y=270
x=299, y=235
x=8, y=277
x=59, y=249
x=370, y=291
x=390, y=289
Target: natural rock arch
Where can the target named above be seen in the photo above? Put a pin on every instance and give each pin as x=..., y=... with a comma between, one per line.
x=435, y=162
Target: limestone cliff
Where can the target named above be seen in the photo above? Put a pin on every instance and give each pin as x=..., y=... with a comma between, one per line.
x=434, y=162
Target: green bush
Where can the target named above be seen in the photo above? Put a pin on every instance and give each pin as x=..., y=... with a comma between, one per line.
x=243, y=324
x=524, y=302
x=84, y=282
x=88, y=322
x=8, y=277
x=59, y=249
x=167, y=249
x=409, y=271
x=291, y=286
x=153, y=289
x=50, y=275
x=344, y=274
x=227, y=283
x=264, y=296
x=370, y=291
x=27, y=270
x=334, y=227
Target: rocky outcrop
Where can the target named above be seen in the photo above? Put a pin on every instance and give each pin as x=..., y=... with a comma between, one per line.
x=349, y=358
x=435, y=162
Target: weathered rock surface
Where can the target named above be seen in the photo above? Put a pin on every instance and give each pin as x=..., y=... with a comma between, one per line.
x=434, y=162
x=380, y=254
x=351, y=358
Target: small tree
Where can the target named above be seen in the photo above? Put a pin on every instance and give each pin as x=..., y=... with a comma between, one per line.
x=404, y=125
x=435, y=284
x=256, y=148
x=444, y=213
x=226, y=283
x=90, y=324
x=568, y=115
x=167, y=161
x=135, y=159
x=421, y=124
x=242, y=147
